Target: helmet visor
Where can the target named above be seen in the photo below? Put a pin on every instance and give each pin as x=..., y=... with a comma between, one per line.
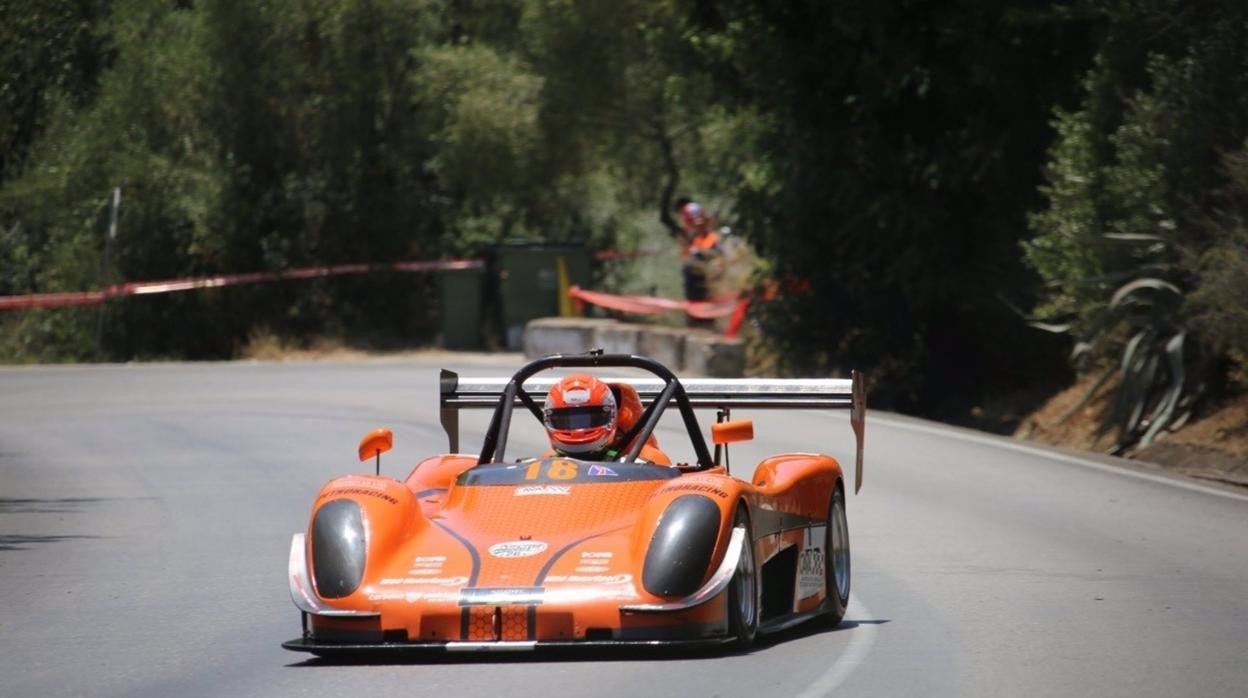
x=588, y=417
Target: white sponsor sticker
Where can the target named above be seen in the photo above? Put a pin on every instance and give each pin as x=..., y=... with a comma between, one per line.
x=438, y=581
x=597, y=555
x=427, y=565
x=385, y=596
x=517, y=548
x=593, y=568
x=430, y=596
x=811, y=566
x=413, y=596
x=530, y=490
x=592, y=579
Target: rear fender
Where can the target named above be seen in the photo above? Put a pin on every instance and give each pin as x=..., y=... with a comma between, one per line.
x=798, y=473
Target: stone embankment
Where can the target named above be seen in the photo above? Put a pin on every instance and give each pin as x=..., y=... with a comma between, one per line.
x=686, y=351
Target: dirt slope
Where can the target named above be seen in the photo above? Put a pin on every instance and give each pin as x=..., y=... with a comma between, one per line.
x=1213, y=446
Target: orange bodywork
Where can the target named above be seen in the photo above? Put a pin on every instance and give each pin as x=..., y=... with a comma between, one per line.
x=485, y=552
x=375, y=443
x=732, y=432
x=575, y=541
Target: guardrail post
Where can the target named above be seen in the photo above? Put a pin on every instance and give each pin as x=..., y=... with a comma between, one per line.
x=104, y=264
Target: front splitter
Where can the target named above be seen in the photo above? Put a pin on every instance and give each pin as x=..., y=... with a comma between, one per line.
x=335, y=649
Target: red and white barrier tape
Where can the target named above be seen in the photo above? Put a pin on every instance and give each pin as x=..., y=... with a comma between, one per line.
x=733, y=306
x=141, y=288
x=612, y=255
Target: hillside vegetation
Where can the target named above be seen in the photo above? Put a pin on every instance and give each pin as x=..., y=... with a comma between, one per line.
x=965, y=199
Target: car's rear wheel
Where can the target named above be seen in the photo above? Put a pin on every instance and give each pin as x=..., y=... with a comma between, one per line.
x=743, y=608
x=836, y=557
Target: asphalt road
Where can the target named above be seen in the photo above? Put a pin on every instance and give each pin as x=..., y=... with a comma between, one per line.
x=146, y=514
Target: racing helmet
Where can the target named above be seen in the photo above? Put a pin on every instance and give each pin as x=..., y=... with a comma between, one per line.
x=692, y=215
x=580, y=415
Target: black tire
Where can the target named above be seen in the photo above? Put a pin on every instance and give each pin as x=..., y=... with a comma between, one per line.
x=742, y=614
x=836, y=558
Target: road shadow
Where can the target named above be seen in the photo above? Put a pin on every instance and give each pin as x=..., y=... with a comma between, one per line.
x=55, y=505
x=812, y=629
x=23, y=542
x=58, y=505
x=621, y=653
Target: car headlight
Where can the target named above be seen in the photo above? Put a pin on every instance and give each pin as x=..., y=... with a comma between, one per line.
x=339, y=548
x=682, y=546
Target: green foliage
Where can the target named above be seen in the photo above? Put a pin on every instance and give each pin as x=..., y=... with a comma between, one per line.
x=141, y=133
x=881, y=158
x=890, y=154
x=1219, y=313
x=252, y=137
x=1125, y=236
x=1216, y=303
x=483, y=110
x=50, y=51
x=624, y=91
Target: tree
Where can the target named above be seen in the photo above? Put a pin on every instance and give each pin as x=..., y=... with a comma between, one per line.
x=896, y=150
x=1134, y=187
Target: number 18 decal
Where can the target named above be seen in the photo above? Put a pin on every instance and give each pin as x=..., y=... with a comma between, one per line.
x=555, y=470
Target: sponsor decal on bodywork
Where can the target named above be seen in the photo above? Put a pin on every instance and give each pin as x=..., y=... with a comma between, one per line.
x=811, y=566
x=500, y=596
x=561, y=471
x=532, y=490
x=590, y=579
x=364, y=492
x=431, y=581
x=359, y=486
x=697, y=487
x=518, y=548
x=412, y=596
x=595, y=562
x=427, y=565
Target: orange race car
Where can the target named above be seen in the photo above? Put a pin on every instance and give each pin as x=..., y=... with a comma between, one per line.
x=478, y=552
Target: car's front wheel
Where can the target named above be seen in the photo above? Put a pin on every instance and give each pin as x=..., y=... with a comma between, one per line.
x=836, y=557
x=743, y=608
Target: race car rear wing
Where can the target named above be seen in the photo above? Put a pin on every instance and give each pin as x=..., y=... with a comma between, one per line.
x=460, y=392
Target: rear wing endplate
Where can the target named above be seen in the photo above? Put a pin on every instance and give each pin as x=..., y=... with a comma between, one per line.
x=461, y=393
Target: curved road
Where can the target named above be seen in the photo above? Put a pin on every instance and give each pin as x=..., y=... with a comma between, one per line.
x=146, y=513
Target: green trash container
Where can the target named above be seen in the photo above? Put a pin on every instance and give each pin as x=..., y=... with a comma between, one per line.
x=528, y=282
x=461, y=308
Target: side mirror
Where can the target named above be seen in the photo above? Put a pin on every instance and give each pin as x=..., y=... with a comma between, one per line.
x=375, y=443
x=732, y=432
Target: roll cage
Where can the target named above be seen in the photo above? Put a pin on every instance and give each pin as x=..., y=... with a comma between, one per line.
x=665, y=389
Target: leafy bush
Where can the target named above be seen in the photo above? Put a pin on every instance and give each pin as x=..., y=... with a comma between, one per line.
x=1134, y=271
x=1217, y=304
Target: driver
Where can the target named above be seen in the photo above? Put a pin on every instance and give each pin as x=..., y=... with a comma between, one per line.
x=584, y=417
x=580, y=417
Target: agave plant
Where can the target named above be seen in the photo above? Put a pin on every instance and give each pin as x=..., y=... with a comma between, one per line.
x=1156, y=389
x=1154, y=392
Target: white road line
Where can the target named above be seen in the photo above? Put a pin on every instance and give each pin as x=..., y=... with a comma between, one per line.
x=1002, y=442
x=861, y=640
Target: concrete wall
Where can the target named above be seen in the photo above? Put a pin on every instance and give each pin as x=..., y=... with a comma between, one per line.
x=688, y=352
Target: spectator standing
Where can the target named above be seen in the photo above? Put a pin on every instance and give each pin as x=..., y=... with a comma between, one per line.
x=699, y=251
